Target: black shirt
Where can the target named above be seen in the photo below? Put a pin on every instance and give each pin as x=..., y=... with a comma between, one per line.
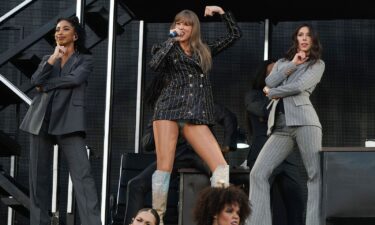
x=280, y=107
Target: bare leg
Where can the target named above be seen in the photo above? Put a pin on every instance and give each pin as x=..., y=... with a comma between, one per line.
x=166, y=135
x=204, y=143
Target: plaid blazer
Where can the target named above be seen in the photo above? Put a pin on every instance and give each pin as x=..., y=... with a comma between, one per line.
x=295, y=90
x=188, y=93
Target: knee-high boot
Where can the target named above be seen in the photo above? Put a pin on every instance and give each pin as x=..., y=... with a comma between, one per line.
x=160, y=187
x=220, y=177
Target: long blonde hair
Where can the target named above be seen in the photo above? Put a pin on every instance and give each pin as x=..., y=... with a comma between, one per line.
x=196, y=45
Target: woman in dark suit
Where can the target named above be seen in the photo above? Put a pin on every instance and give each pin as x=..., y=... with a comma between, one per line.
x=56, y=116
x=186, y=102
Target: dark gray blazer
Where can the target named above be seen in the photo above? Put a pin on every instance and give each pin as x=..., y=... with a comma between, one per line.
x=67, y=85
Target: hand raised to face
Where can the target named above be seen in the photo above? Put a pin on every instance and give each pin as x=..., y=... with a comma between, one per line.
x=300, y=57
x=59, y=51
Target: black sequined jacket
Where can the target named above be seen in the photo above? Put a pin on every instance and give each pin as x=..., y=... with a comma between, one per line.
x=188, y=94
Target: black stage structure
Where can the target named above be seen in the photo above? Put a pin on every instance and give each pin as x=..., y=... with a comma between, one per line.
x=344, y=99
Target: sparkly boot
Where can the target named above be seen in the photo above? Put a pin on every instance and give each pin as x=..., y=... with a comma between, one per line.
x=160, y=187
x=220, y=177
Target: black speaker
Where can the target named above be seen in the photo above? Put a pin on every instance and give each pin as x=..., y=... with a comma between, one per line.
x=348, y=185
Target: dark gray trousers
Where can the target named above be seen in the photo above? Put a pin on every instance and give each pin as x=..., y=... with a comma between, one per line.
x=73, y=148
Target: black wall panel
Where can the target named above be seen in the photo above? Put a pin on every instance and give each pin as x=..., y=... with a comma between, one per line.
x=344, y=98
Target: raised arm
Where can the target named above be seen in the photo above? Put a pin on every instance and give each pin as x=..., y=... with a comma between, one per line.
x=278, y=75
x=308, y=80
x=233, y=30
x=75, y=78
x=159, y=54
x=42, y=73
x=45, y=67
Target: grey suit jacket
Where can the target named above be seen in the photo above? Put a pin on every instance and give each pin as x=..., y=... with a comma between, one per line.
x=67, y=85
x=295, y=90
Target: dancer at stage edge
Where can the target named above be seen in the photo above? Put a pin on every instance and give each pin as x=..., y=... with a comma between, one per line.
x=292, y=120
x=56, y=116
x=221, y=206
x=186, y=102
x=146, y=216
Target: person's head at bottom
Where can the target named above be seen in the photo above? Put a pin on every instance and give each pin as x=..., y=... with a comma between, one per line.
x=222, y=206
x=146, y=216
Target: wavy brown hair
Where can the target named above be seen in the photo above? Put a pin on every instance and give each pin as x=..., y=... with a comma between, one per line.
x=316, y=47
x=212, y=200
x=196, y=44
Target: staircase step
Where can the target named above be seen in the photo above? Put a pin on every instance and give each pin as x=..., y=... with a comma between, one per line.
x=9, y=187
x=26, y=62
x=10, y=201
x=17, y=206
x=97, y=19
x=36, y=35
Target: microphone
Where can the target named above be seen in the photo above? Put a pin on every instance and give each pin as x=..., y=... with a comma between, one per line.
x=173, y=34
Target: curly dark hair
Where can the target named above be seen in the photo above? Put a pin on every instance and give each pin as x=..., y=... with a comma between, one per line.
x=79, y=44
x=316, y=48
x=212, y=200
x=152, y=211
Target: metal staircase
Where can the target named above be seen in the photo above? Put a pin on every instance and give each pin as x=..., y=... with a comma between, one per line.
x=96, y=18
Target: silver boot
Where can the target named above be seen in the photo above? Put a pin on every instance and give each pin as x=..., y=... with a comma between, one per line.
x=220, y=177
x=160, y=187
